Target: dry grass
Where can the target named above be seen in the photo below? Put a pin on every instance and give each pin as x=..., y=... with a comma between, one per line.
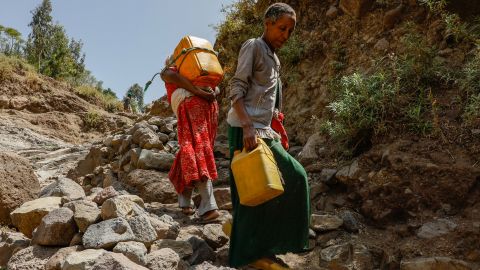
x=92, y=95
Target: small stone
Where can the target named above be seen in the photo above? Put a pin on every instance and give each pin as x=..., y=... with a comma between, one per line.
x=321, y=223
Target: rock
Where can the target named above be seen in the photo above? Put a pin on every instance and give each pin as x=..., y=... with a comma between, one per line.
x=116, y=261
x=151, y=186
x=214, y=235
x=28, y=216
x=82, y=260
x=31, y=258
x=355, y=8
x=151, y=160
x=392, y=17
x=105, y=194
x=120, y=206
x=201, y=251
x=167, y=128
x=147, y=138
x=321, y=223
x=317, y=189
x=436, y=228
x=434, y=263
x=163, y=259
x=311, y=149
x=135, y=251
x=164, y=138
x=161, y=108
x=186, y=232
x=332, y=12
x=221, y=150
x=18, y=184
x=57, y=228
x=19, y=102
x=348, y=172
x=96, y=157
x=336, y=253
x=165, y=226
x=86, y=213
x=182, y=248
x=327, y=176
x=172, y=147
x=10, y=243
x=156, y=121
x=142, y=229
x=382, y=45
x=56, y=261
x=63, y=187
x=362, y=258
x=208, y=266
x=107, y=234
x=351, y=222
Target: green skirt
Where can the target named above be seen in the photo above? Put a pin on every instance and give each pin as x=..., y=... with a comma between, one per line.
x=277, y=226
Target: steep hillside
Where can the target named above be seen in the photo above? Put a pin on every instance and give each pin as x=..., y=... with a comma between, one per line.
x=33, y=101
x=382, y=98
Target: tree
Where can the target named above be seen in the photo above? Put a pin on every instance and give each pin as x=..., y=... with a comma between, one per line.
x=78, y=59
x=12, y=43
x=59, y=62
x=39, y=40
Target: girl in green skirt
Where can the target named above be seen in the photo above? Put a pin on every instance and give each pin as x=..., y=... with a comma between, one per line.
x=281, y=224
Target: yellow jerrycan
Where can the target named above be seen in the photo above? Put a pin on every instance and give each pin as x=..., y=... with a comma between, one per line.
x=256, y=174
x=197, y=61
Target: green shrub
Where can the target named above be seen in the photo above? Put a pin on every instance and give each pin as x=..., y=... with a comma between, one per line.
x=93, y=95
x=470, y=83
x=361, y=104
x=92, y=119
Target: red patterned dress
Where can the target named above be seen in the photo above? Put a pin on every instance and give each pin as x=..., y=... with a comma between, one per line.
x=197, y=128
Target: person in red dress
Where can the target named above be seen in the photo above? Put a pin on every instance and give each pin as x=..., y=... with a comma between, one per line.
x=194, y=165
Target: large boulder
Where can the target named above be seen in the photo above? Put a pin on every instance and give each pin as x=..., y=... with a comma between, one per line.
x=82, y=260
x=116, y=261
x=158, y=160
x=63, y=187
x=135, y=251
x=122, y=206
x=18, y=184
x=10, y=243
x=107, y=234
x=151, y=186
x=160, y=107
x=57, y=228
x=142, y=229
x=86, y=213
x=56, y=261
x=165, y=226
x=182, y=248
x=163, y=259
x=28, y=216
x=31, y=258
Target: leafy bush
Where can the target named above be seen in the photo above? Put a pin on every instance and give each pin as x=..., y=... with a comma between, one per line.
x=107, y=101
x=361, y=104
x=470, y=83
x=397, y=87
x=91, y=119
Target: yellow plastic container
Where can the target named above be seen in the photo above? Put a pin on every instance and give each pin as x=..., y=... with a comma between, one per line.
x=256, y=175
x=197, y=61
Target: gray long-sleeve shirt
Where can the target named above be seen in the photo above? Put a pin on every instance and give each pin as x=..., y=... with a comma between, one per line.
x=255, y=80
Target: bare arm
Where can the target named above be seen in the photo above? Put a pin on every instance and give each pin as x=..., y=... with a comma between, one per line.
x=170, y=76
x=249, y=134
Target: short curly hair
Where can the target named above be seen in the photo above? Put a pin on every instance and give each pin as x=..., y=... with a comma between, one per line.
x=275, y=11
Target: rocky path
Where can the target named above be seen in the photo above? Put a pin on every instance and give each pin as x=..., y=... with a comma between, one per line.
x=48, y=156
